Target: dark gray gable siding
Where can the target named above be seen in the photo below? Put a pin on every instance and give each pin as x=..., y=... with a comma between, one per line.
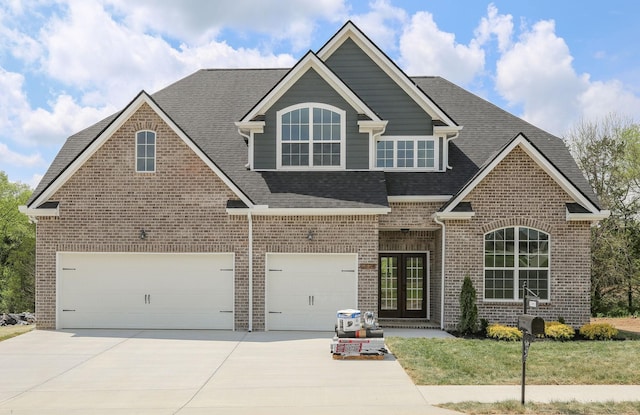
x=311, y=88
x=379, y=91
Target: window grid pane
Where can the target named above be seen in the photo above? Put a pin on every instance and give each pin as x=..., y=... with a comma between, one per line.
x=502, y=270
x=295, y=154
x=414, y=283
x=326, y=127
x=384, y=153
x=388, y=283
x=321, y=127
x=405, y=153
x=145, y=151
x=426, y=153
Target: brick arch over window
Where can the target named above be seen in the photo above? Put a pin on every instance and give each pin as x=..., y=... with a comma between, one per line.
x=516, y=221
x=145, y=125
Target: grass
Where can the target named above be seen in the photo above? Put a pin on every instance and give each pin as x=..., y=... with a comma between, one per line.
x=7, y=332
x=488, y=362
x=569, y=408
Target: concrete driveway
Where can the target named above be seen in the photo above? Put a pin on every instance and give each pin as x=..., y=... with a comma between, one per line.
x=196, y=372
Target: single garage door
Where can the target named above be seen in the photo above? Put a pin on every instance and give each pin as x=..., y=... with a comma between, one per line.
x=304, y=291
x=146, y=291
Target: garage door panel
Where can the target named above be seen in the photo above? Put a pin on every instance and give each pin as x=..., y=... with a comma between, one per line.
x=146, y=290
x=304, y=291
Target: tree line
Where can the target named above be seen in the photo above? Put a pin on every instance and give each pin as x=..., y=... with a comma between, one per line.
x=608, y=152
x=17, y=249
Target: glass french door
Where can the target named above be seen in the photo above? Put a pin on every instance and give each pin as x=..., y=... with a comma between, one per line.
x=403, y=285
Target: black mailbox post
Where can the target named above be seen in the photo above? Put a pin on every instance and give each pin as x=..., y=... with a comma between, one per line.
x=531, y=327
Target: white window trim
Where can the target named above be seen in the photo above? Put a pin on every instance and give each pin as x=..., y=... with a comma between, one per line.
x=155, y=151
x=343, y=137
x=415, y=138
x=516, y=268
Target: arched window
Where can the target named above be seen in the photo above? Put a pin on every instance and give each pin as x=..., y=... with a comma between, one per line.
x=512, y=256
x=311, y=135
x=145, y=152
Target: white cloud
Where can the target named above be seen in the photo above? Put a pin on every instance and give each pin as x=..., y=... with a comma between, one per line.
x=9, y=157
x=110, y=62
x=602, y=98
x=198, y=22
x=22, y=124
x=537, y=72
x=65, y=118
x=13, y=102
x=381, y=24
x=494, y=24
x=426, y=50
x=34, y=180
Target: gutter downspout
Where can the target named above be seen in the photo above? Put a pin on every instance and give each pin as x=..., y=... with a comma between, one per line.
x=448, y=139
x=444, y=238
x=250, y=220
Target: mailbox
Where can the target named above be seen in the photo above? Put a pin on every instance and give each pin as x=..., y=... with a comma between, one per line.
x=531, y=324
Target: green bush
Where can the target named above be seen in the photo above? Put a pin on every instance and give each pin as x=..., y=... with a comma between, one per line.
x=468, y=308
x=558, y=331
x=500, y=332
x=598, y=331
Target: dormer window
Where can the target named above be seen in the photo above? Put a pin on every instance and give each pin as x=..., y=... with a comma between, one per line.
x=145, y=152
x=405, y=152
x=311, y=136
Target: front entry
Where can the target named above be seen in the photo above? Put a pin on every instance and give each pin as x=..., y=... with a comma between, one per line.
x=403, y=285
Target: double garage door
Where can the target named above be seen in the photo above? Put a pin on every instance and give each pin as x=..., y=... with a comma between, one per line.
x=196, y=291
x=304, y=291
x=155, y=291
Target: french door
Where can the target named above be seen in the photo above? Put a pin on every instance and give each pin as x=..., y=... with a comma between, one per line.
x=403, y=285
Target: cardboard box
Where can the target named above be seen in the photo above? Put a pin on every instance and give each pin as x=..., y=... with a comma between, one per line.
x=349, y=320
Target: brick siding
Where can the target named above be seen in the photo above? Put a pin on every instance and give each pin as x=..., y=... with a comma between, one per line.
x=182, y=207
x=519, y=193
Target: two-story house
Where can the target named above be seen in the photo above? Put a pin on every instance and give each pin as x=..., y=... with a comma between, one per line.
x=267, y=199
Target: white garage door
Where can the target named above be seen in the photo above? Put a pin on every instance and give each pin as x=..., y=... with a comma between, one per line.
x=304, y=291
x=155, y=291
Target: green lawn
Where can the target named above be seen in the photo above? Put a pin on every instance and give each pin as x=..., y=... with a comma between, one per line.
x=554, y=408
x=489, y=362
x=7, y=332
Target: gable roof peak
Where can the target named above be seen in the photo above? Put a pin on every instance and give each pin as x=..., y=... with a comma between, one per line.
x=350, y=31
x=310, y=61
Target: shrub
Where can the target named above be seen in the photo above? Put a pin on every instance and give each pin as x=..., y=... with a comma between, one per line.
x=558, y=331
x=598, y=331
x=468, y=308
x=484, y=323
x=500, y=332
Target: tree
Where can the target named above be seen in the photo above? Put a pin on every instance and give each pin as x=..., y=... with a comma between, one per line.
x=608, y=152
x=17, y=249
x=468, y=308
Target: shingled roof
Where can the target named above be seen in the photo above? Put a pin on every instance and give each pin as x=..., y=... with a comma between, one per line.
x=206, y=104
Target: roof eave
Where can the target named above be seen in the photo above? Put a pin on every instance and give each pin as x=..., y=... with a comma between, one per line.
x=588, y=217
x=267, y=211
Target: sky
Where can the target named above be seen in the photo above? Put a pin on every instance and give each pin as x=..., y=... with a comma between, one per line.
x=66, y=64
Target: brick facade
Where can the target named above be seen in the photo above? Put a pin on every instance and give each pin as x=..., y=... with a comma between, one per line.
x=519, y=193
x=182, y=207
x=105, y=203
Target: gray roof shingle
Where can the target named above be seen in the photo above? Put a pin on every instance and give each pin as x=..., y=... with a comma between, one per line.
x=206, y=104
